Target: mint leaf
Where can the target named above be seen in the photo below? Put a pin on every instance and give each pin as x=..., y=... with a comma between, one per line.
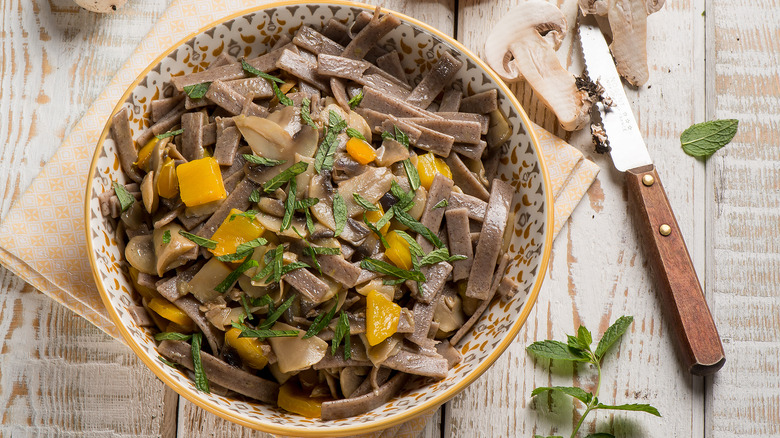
x=283, y=99
x=376, y=231
x=385, y=268
x=412, y=174
x=126, y=200
x=585, y=337
x=293, y=266
x=704, y=139
x=169, y=134
x=355, y=101
x=262, y=334
x=556, y=350
x=577, y=393
x=273, y=316
x=201, y=381
x=441, y=204
x=289, y=206
x=200, y=241
x=323, y=159
x=401, y=137
x=288, y=174
x=254, y=196
x=197, y=91
x=254, y=159
x=641, y=407
x=306, y=112
x=306, y=203
x=341, y=332
x=166, y=237
x=440, y=255
x=228, y=282
x=253, y=71
x=363, y=202
x=385, y=218
x=321, y=250
x=322, y=320
x=252, y=244
x=249, y=214
x=353, y=133
x=247, y=310
x=238, y=255
x=613, y=333
x=172, y=336
x=167, y=362
x=411, y=223
x=339, y=214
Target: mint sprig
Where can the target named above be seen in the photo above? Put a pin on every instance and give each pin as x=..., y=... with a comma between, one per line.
x=578, y=349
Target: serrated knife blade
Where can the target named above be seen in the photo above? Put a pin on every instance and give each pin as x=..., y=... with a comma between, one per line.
x=682, y=297
x=628, y=147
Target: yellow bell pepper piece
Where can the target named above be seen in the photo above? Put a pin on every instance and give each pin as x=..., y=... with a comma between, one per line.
x=382, y=316
x=292, y=399
x=428, y=165
x=200, y=182
x=145, y=153
x=170, y=312
x=374, y=216
x=167, y=184
x=233, y=233
x=360, y=151
x=398, y=251
x=249, y=349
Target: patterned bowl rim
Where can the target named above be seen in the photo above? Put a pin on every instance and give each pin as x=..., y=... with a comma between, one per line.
x=341, y=430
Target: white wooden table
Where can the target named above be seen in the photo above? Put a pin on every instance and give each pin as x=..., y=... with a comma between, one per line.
x=60, y=376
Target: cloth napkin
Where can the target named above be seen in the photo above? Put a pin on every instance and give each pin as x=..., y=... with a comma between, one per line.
x=42, y=239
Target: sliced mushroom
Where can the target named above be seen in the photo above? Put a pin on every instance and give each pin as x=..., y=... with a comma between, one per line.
x=350, y=379
x=266, y=138
x=139, y=252
x=148, y=193
x=134, y=217
x=449, y=314
x=371, y=185
x=383, y=350
x=391, y=152
x=628, y=24
x=210, y=275
x=296, y=353
x=177, y=252
x=522, y=46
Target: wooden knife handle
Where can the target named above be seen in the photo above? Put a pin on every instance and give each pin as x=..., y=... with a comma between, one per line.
x=681, y=292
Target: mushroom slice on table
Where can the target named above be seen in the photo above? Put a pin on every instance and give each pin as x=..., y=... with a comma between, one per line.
x=628, y=24
x=522, y=46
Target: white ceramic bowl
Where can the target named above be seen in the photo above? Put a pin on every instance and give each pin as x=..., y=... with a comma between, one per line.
x=250, y=33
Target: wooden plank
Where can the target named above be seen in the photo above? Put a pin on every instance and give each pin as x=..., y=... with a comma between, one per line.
x=743, y=64
x=60, y=375
x=598, y=269
x=63, y=376
x=193, y=421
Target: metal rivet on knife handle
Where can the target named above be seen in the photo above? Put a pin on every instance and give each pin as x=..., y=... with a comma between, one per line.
x=648, y=180
x=665, y=230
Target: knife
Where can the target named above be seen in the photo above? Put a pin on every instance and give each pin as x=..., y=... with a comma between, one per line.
x=681, y=293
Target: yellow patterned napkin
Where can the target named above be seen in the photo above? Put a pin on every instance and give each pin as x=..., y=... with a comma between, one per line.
x=42, y=239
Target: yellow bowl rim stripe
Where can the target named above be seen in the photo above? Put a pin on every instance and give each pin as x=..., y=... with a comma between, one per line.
x=336, y=430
